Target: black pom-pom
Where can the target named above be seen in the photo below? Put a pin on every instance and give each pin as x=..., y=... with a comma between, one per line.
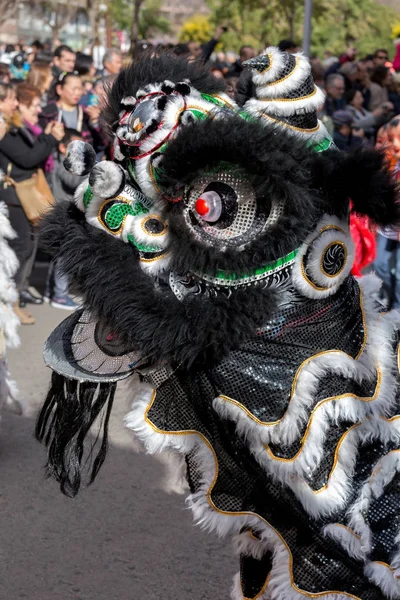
x=182, y=88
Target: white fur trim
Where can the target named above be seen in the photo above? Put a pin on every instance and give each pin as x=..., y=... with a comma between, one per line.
x=280, y=584
x=273, y=89
x=308, y=278
x=384, y=578
x=286, y=108
x=79, y=193
x=377, y=353
x=236, y=591
x=346, y=538
x=155, y=266
x=277, y=63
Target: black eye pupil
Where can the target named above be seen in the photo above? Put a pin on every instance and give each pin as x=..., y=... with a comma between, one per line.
x=154, y=226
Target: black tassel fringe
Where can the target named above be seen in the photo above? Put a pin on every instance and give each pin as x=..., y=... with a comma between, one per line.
x=69, y=411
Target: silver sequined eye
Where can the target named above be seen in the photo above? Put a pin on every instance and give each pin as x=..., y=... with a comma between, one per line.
x=222, y=209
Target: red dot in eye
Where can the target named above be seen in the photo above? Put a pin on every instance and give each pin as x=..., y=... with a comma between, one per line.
x=202, y=207
x=110, y=337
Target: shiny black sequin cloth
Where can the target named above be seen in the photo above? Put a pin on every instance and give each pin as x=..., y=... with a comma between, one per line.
x=260, y=376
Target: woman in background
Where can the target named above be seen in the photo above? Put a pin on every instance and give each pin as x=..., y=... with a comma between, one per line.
x=21, y=154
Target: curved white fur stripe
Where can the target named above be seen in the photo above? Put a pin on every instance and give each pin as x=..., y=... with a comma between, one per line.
x=384, y=578
x=206, y=515
x=378, y=351
x=236, y=590
x=349, y=540
x=287, y=108
x=300, y=73
x=156, y=266
x=275, y=69
x=79, y=193
x=382, y=475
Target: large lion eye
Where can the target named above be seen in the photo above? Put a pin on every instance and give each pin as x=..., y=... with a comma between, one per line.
x=221, y=208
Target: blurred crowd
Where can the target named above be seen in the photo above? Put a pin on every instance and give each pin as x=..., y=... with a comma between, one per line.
x=48, y=99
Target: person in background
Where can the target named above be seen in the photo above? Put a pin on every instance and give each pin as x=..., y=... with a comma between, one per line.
x=335, y=89
x=345, y=137
x=350, y=72
x=329, y=60
x=394, y=93
x=288, y=46
x=387, y=240
x=98, y=51
x=245, y=53
x=64, y=185
x=382, y=138
x=41, y=77
x=205, y=51
x=379, y=88
x=85, y=68
x=362, y=118
x=4, y=73
x=112, y=62
x=63, y=60
x=232, y=83
x=380, y=57
x=66, y=109
x=29, y=108
x=318, y=74
x=21, y=154
x=37, y=47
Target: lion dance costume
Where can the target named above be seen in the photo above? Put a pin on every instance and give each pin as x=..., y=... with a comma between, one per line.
x=213, y=255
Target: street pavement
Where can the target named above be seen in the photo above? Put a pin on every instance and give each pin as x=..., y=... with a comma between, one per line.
x=123, y=538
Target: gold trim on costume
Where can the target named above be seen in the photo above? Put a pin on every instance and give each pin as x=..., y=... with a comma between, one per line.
x=347, y=529
x=286, y=76
x=121, y=200
x=342, y=438
x=295, y=99
x=346, y=254
x=269, y=66
x=240, y=513
x=305, y=362
x=302, y=267
x=150, y=260
x=380, y=562
x=284, y=124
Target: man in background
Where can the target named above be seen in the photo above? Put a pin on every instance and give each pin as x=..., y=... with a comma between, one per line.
x=63, y=60
x=112, y=62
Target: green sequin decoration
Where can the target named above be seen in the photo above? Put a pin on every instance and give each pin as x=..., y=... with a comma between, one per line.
x=244, y=115
x=116, y=214
x=202, y=116
x=87, y=197
x=213, y=100
x=259, y=270
x=142, y=247
x=323, y=145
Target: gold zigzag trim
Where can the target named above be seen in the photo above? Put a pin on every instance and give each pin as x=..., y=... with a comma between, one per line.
x=240, y=513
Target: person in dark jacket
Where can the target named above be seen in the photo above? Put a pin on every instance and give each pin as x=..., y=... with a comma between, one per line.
x=21, y=154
